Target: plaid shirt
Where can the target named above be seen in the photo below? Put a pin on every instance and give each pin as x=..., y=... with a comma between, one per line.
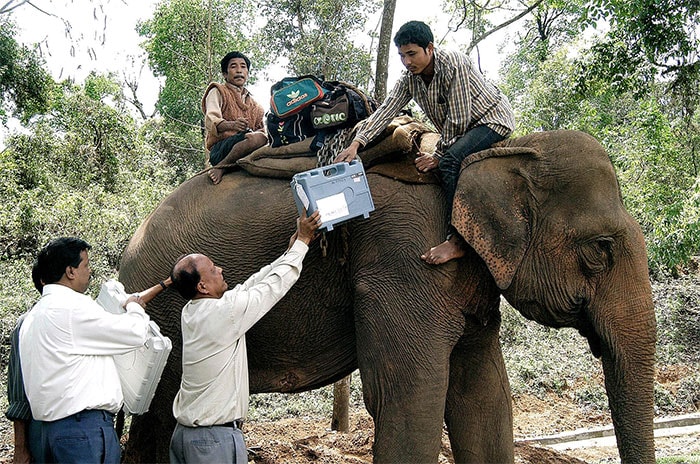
x=458, y=99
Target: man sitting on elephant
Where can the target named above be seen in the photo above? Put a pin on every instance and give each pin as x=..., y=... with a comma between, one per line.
x=232, y=118
x=213, y=395
x=470, y=113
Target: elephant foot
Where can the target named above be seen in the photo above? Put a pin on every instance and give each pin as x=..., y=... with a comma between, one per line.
x=452, y=248
x=215, y=174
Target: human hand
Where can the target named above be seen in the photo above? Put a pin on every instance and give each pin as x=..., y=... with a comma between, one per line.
x=307, y=227
x=240, y=125
x=348, y=154
x=426, y=162
x=135, y=298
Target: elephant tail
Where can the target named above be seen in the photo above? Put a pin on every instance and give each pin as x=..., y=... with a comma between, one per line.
x=500, y=152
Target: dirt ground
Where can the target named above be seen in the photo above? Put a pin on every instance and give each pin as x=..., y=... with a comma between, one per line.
x=304, y=440
x=297, y=441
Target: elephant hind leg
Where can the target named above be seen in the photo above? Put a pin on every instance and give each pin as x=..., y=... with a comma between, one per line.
x=478, y=411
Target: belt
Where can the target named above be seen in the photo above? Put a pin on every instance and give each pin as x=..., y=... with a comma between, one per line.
x=89, y=414
x=236, y=424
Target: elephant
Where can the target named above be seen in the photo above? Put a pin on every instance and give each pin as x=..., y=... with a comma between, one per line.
x=546, y=229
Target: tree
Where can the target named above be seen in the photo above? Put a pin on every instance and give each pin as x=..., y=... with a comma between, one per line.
x=80, y=169
x=651, y=41
x=383, y=46
x=475, y=15
x=557, y=81
x=25, y=86
x=316, y=37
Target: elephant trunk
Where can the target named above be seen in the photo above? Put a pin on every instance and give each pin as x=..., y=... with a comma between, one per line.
x=627, y=349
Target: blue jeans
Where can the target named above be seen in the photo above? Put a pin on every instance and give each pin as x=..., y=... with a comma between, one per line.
x=84, y=437
x=476, y=139
x=215, y=444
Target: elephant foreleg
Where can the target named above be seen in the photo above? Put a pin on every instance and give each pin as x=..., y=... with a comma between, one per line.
x=404, y=383
x=403, y=360
x=478, y=411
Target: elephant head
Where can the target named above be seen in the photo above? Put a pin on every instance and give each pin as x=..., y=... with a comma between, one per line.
x=545, y=213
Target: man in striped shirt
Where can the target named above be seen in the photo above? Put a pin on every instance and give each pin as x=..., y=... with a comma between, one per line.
x=469, y=112
x=27, y=447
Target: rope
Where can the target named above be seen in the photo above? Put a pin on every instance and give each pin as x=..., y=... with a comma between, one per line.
x=218, y=166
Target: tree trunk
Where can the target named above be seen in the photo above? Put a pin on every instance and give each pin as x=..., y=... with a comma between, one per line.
x=341, y=405
x=382, y=72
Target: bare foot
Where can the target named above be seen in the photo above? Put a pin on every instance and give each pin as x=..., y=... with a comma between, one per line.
x=448, y=250
x=215, y=174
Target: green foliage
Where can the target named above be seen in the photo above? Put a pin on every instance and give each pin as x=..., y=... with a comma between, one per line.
x=592, y=396
x=541, y=360
x=541, y=91
x=678, y=331
x=679, y=460
x=660, y=32
x=314, y=403
x=316, y=37
x=647, y=135
x=600, y=69
x=178, y=150
x=25, y=86
x=85, y=171
x=651, y=50
x=656, y=174
x=185, y=41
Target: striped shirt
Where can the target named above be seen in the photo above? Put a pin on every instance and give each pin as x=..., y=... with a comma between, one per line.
x=18, y=404
x=458, y=99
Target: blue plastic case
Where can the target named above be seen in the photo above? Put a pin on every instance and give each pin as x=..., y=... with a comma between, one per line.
x=339, y=191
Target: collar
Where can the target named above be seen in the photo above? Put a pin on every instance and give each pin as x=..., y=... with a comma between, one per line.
x=58, y=289
x=242, y=90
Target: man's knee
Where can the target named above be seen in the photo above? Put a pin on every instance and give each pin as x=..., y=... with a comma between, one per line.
x=256, y=139
x=448, y=162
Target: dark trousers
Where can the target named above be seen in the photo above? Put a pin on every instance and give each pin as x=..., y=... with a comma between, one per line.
x=34, y=441
x=84, y=437
x=222, y=444
x=476, y=139
x=221, y=149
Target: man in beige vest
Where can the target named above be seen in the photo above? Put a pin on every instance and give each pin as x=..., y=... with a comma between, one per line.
x=232, y=118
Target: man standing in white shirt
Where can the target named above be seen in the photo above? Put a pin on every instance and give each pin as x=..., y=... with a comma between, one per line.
x=213, y=396
x=66, y=346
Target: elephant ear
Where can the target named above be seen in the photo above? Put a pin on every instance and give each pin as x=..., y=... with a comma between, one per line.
x=491, y=211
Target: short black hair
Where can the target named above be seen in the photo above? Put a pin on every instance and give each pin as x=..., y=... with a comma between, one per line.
x=55, y=257
x=36, y=278
x=414, y=32
x=231, y=55
x=185, y=279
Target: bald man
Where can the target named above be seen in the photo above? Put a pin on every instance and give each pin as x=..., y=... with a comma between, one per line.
x=213, y=396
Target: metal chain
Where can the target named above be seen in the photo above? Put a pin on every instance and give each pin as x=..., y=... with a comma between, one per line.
x=324, y=244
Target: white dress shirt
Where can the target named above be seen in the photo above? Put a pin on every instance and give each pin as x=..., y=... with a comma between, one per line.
x=214, y=387
x=66, y=345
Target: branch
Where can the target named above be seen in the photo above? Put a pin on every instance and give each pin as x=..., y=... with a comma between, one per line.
x=478, y=39
x=6, y=8
x=36, y=7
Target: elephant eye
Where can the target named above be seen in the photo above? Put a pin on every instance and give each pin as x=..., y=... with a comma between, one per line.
x=596, y=256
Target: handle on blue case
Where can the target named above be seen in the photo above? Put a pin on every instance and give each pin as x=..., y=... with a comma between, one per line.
x=336, y=169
